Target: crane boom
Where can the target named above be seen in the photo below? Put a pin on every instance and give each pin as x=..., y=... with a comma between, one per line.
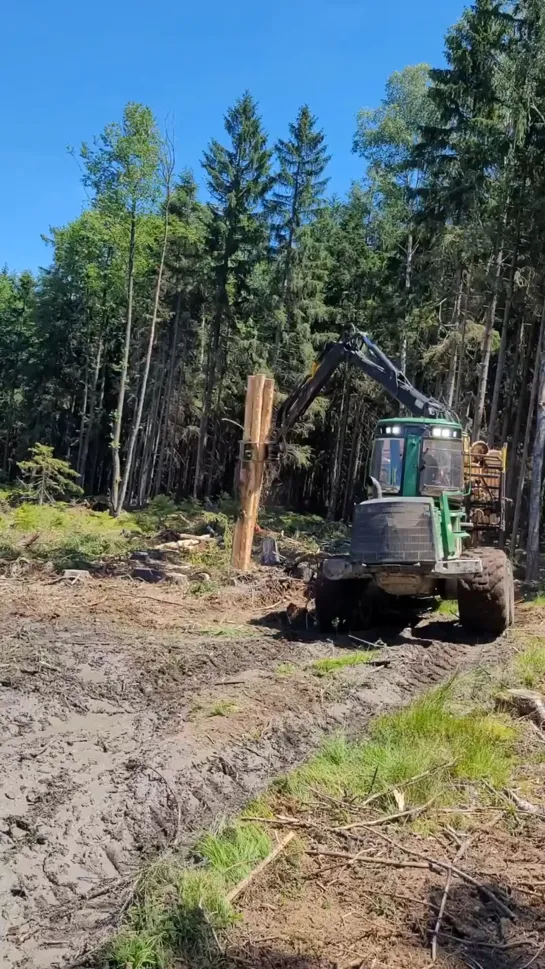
x=359, y=351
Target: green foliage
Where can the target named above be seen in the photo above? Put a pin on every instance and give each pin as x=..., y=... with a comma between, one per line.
x=530, y=664
x=48, y=478
x=70, y=536
x=436, y=252
x=235, y=850
x=422, y=737
x=447, y=607
x=223, y=708
x=179, y=910
x=323, y=667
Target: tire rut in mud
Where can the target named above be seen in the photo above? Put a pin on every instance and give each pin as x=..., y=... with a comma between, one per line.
x=97, y=769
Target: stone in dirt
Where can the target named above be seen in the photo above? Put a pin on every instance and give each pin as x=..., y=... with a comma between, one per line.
x=303, y=571
x=148, y=575
x=76, y=575
x=177, y=578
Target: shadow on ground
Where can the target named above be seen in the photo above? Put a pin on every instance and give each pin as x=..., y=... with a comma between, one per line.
x=400, y=630
x=476, y=935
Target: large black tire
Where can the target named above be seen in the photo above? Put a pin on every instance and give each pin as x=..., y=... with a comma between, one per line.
x=326, y=603
x=486, y=602
x=345, y=601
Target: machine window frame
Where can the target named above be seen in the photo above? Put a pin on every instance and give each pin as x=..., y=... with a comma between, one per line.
x=383, y=446
x=450, y=475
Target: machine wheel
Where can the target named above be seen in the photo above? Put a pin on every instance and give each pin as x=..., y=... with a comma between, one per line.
x=326, y=598
x=486, y=602
x=345, y=600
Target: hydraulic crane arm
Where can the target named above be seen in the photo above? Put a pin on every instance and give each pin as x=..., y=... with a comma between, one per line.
x=358, y=350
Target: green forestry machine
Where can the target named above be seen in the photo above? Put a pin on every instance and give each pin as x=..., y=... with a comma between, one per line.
x=430, y=497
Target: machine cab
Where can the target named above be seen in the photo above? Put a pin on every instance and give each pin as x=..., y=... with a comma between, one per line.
x=414, y=457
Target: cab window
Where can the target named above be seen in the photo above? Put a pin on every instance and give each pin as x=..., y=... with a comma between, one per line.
x=387, y=464
x=442, y=467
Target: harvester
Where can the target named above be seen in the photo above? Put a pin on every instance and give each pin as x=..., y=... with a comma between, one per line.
x=432, y=499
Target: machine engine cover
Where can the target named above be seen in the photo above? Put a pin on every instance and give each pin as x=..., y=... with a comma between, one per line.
x=394, y=531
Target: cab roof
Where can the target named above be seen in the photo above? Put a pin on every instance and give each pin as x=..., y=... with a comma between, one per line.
x=434, y=421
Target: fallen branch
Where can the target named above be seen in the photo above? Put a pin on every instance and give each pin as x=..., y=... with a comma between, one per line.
x=534, y=958
x=447, y=866
x=407, y=783
x=242, y=885
x=523, y=805
x=370, y=859
x=409, y=813
x=432, y=864
x=457, y=857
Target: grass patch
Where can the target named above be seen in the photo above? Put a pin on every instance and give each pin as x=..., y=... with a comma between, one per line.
x=223, y=708
x=229, y=632
x=530, y=664
x=538, y=600
x=235, y=851
x=447, y=607
x=323, y=667
x=311, y=531
x=179, y=911
x=286, y=669
x=407, y=743
x=70, y=536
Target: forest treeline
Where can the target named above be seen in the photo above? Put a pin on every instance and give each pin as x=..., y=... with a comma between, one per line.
x=129, y=353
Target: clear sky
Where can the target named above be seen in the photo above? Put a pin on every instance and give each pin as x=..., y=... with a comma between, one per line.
x=68, y=67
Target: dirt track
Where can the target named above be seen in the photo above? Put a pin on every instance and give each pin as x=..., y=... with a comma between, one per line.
x=112, y=746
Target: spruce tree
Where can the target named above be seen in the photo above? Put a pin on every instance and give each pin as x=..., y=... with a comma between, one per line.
x=239, y=180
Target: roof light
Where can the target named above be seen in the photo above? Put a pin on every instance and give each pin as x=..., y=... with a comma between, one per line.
x=436, y=432
x=388, y=430
x=446, y=432
x=396, y=429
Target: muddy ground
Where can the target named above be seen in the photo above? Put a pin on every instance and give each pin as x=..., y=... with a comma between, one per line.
x=132, y=717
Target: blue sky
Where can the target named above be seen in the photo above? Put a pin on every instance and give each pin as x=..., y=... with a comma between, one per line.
x=67, y=68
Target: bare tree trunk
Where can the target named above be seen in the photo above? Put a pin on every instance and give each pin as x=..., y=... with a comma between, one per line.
x=116, y=440
x=455, y=326
x=534, y=516
x=9, y=429
x=339, y=449
x=83, y=414
x=408, y=284
x=92, y=411
x=463, y=327
x=502, y=353
x=147, y=459
x=97, y=437
x=513, y=373
x=211, y=369
x=168, y=396
x=527, y=436
x=487, y=339
x=354, y=459
x=522, y=409
x=169, y=166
